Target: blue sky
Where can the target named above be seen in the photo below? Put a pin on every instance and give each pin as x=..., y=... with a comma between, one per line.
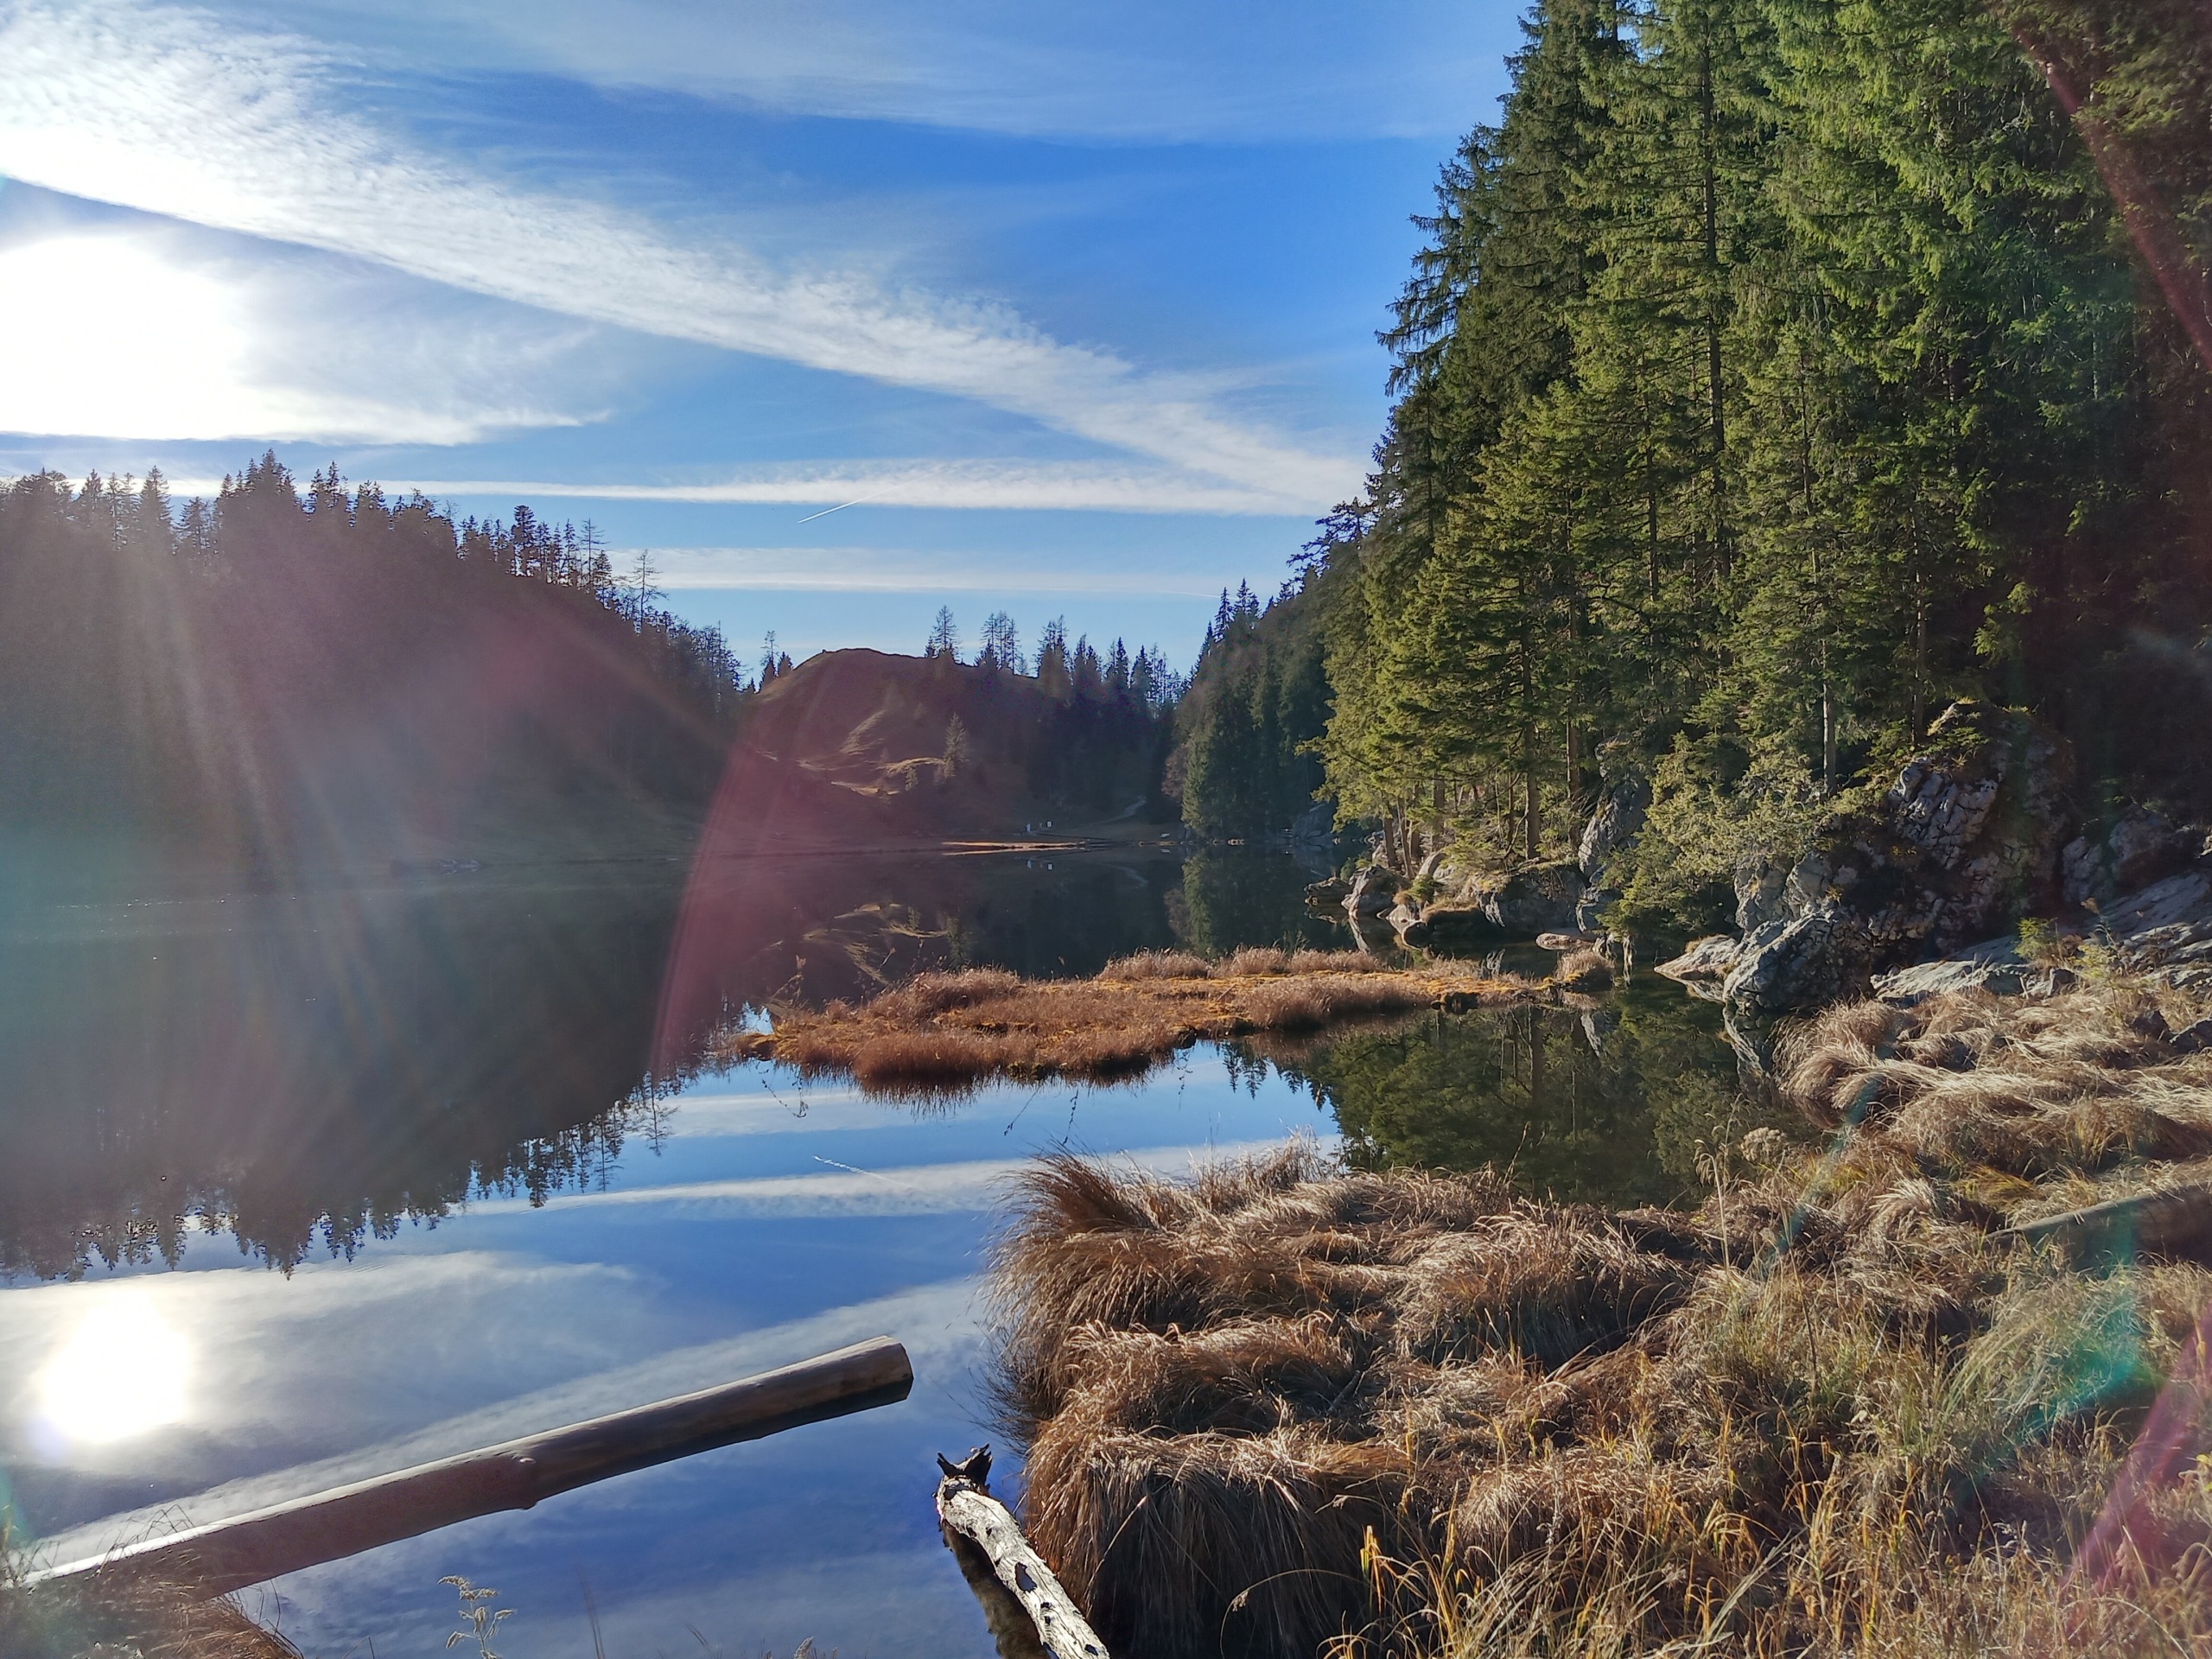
x=1076, y=304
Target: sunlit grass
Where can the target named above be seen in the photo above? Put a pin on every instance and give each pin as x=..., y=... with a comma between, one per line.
x=116, y=1615
x=1285, y=1408
x=944, y=1033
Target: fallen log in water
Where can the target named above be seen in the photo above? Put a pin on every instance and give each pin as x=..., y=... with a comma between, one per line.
x=1030, y=1615
x=227, y=1555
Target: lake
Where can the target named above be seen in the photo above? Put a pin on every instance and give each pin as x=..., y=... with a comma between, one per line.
x=306, y=1185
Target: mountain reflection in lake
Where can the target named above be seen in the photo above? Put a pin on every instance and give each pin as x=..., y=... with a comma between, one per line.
x=309, y=1069
x=463, y=1111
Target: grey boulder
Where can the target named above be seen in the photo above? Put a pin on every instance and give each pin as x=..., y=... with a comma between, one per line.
x=1705, y=966
x=1804, y=962
x=1994, y=965
x=1374, y=891
x=2135, y=850
x=1534, y=899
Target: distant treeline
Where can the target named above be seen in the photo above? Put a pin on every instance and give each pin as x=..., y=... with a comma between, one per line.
x=282, y=674
x=1105, y=723
x=1775, y=372
x=1258, y=697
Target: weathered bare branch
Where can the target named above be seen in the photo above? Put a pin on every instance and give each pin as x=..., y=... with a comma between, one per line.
x=1030, y=1615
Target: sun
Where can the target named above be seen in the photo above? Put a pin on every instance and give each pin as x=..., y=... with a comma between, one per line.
x=124, y=1370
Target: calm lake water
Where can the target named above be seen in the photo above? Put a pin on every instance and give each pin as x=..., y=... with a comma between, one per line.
x=302, y=1187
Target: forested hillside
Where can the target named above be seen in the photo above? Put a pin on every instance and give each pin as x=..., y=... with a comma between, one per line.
x=932, y=744
x=1775, y=371
x=278, y=677
x=1257, y=698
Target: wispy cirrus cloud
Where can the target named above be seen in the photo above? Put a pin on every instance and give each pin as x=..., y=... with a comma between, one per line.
x=169, y=110
x=1062, y=485
x=1142, y=71
x=142, y=332
x=879, y=570
x=914, y=1189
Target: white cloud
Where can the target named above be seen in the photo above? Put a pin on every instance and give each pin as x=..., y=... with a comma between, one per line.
x=133, y=332
x=1139, y=71
x=807, y=1111
x=1065, y=485
x=161, y=109
x=918, y=1190
x=873, y=570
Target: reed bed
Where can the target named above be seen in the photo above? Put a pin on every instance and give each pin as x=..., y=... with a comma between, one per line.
x=1247, y=962
x=942, y=1034
x=1282, y=1409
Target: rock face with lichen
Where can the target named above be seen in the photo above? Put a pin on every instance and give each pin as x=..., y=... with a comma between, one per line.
x=2164, y=933
x=1965, y=842
x=1613, y=828
x=1617, y=822
x=1374, y=890
x=1798, y=962
x=1532, y=899
x=2135, y=850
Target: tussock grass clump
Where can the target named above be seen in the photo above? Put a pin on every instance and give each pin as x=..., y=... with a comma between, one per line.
x=1584, y=971
x=1155, y=964
x=942, y=1034
x=1285, y=1408
x=1334, y=962
x=1245, y=962
x=1248, y=960
x=2017, y=1109
x=121, y=1616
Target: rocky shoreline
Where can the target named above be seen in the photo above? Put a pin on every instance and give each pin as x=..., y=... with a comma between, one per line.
x=1976, y=866
x=1913, y=894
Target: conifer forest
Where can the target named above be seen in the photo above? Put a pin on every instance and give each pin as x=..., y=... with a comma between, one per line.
x=1773, y=372
x=277, y=672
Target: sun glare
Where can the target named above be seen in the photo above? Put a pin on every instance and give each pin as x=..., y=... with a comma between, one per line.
x=123, y=1372
x=159, y=349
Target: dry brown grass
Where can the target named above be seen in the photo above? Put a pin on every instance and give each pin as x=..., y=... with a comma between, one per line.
x=1247, y=962
x=943, y=1032
x=121, y=1616
x=2017, y=1109
x=1250, y=961
x=1584, y=971
x=1282, y=1408
x=1155, y=964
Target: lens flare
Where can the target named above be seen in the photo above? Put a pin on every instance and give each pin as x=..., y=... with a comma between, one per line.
x=124, y=1370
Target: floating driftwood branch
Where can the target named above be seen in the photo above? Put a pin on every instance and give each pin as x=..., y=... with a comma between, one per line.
x=227, y=1555
x=1031, y=1616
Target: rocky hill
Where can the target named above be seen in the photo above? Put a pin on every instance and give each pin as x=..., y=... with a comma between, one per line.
x=857, y=745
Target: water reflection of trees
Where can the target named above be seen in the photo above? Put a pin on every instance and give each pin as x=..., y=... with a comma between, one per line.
x=309, y=1072
x=1609, y=1103
x=814, y=930
x=1231, y=897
